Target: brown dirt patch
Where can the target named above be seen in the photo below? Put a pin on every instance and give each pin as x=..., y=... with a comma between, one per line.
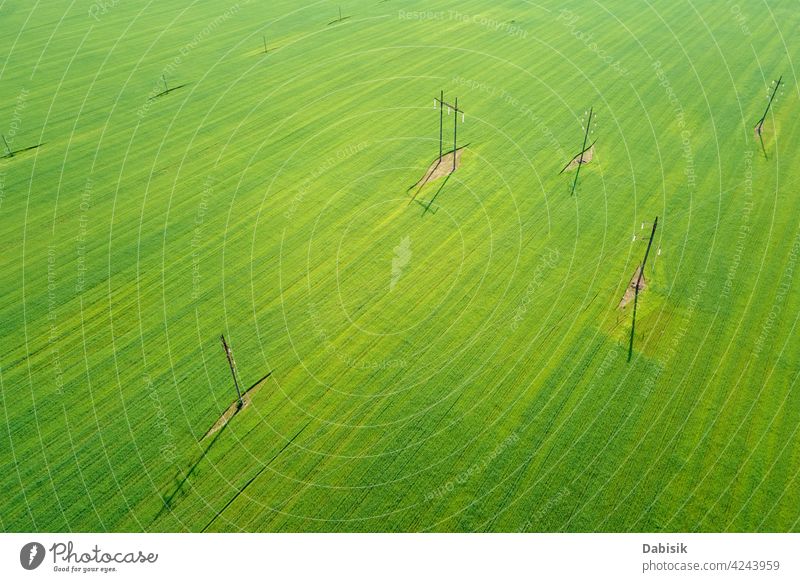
x=764, y=132
x=630, y=292
x=233, y=409
x=439, y=170
x=588, y=155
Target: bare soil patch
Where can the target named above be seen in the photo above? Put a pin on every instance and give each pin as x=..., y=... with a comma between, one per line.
x=588, y=155
x=440, y=169
x=234, y=408
x=630, y=292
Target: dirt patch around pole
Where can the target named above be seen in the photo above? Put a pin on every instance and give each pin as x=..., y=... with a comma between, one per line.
x=630, y=291
x=439, y=169
x=588, y=155
x=234, y=408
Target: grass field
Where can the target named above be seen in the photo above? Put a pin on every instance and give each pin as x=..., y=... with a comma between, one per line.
x=454, y=363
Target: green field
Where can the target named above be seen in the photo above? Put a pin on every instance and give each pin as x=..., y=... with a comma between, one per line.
x=455, y=362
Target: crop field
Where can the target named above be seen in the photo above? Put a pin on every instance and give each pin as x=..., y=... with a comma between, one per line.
x=471, y=352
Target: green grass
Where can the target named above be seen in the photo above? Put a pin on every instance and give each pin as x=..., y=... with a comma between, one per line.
x=490, y=389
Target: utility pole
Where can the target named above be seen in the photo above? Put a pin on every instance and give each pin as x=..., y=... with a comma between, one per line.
x=760, y=123
x=647, y=252
x=10, y=153
x=636, y=288
x=441, y=123
x=265, y=43
x=163, y=78
x=583, y=150
x=456, y=111
x=232, y=364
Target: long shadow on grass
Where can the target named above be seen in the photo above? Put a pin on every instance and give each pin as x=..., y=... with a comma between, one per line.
x=168, y=91
x=763, y=149
x=177, y=491
x=254, y=477
x=428, y=207
x=20, y=151
x=633, y=323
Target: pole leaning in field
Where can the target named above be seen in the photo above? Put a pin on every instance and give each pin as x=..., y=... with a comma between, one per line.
x=583, y=150
x=638, y=285
x=232, y=364
x=760, y=123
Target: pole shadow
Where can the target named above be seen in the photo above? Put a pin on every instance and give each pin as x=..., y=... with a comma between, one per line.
x=11, y=154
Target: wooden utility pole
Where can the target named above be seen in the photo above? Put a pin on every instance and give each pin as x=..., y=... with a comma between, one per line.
x=163, y=78
x=583, y=150
x=232, y=364
x=647, y=252
x=760, y=123
x=265, y=43
x=441, y=124
x=456, y=111
x=636, y=288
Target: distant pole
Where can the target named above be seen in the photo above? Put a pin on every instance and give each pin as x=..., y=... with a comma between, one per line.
x=265, y=43
x=455, y=133
x=232, y=365
x=760, y=123
x=10, y=153
x=580, y=160
x=163, y=78
x=441, y=124
x=340, y=12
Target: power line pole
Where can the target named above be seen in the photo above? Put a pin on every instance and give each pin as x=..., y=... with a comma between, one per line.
x=583, y=150
x=441, y=123
x=637, y=286
x=232, y=364
x=456, y=111
x=760, y=123
x=265, y=43
x=455, y=134
x=10, y=153
x=163, y=78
